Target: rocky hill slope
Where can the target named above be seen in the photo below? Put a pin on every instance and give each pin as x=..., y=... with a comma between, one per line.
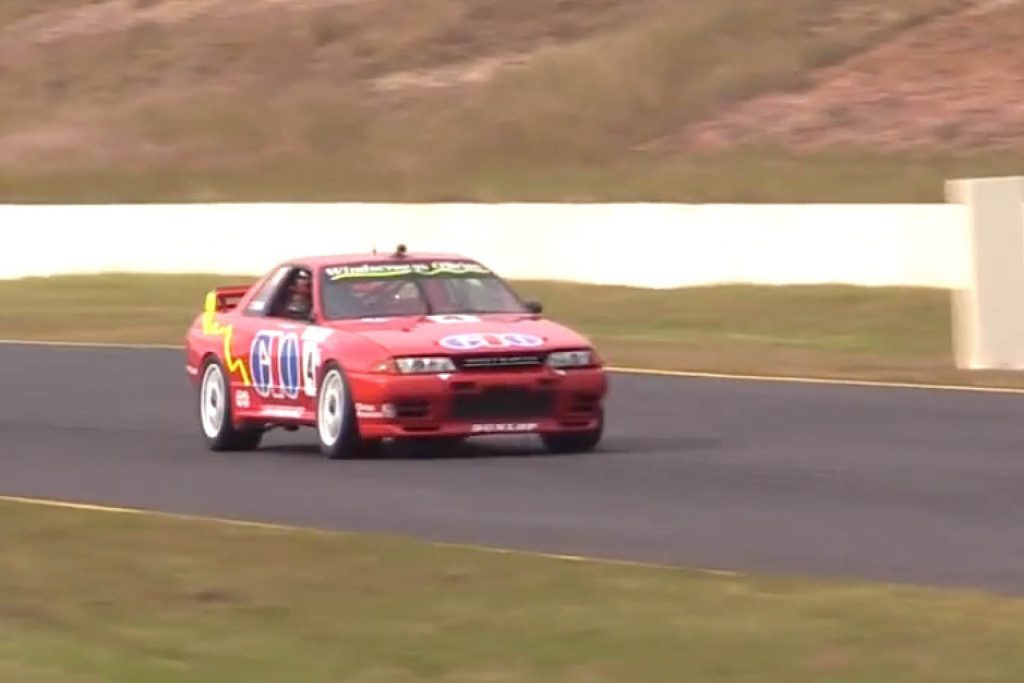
x=748, y=100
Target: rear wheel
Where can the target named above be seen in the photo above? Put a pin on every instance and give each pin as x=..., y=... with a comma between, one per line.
x=336, y=425
x=215, y=418
x=574, y=442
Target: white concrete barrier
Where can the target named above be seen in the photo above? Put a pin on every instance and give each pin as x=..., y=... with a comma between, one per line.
x=644, y=245
x=988, y=313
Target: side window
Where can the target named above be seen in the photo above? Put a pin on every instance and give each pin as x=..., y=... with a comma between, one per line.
x=293, y=299
x=262, y=303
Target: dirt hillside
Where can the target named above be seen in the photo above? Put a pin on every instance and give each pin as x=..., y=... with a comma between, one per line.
x=494, y=100
x=953, y=83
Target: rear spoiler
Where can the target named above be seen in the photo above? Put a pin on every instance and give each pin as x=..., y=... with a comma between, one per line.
x=223, y=299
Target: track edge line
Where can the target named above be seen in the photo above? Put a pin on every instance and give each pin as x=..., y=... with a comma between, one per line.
x=827, y=381
x=287, y=528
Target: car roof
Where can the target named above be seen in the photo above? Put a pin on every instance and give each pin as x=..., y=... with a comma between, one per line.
x=323, y=261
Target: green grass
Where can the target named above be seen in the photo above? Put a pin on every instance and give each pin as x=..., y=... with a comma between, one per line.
x=747, y=176
x=95, y=597
x=178, y=111
x=825, y=331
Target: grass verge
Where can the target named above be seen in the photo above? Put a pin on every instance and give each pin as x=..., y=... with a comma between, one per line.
x=890, y=334
x=750, y=176
x=96, y=596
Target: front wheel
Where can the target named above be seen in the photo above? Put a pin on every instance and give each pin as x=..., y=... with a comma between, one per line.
x=215, y=417
x=336, y=424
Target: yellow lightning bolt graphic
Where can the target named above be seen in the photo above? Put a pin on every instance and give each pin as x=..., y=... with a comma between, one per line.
x=213, y=328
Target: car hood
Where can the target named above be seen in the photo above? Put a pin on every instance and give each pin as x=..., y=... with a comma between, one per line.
x=456, y=334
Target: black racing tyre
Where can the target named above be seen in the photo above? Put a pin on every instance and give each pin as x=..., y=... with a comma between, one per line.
x=336, y=426
x=215, y=417
x=574, y=442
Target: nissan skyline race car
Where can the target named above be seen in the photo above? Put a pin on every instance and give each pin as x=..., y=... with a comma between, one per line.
x=430, y=348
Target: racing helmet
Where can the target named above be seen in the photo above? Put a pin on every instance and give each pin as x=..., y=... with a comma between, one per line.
x=300, y=295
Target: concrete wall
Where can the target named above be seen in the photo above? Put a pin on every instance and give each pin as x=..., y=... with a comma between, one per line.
x=988, y=315
x=647, y=245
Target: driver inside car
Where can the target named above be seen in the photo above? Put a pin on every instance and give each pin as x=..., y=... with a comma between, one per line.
x=300, y=297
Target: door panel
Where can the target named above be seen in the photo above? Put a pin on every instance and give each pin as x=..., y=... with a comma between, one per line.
x=273, y=352
x=276, y=361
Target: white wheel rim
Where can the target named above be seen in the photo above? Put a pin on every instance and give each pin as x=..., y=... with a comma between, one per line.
x=213, y=402
x=331, y=410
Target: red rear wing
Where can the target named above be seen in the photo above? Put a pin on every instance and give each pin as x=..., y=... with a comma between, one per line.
x=224, y=299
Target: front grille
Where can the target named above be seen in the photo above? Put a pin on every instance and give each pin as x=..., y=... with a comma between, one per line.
x=502, y=403
x=499, y=363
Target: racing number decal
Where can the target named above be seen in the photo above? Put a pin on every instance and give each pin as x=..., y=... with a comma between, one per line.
x=476, y=341
x=274, y=357
x=310, y=363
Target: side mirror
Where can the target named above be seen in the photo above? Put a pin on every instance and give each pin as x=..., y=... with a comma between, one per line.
x=535, y=307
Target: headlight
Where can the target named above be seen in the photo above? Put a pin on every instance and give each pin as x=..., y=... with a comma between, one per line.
x=429, y=365
x=571, y=359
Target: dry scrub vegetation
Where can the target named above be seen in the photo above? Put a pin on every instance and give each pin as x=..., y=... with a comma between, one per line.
x=489, y=99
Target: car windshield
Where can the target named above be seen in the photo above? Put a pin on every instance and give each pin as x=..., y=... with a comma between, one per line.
x=411, y=289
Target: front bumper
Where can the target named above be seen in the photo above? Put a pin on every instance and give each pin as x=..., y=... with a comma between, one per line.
x=476, y=404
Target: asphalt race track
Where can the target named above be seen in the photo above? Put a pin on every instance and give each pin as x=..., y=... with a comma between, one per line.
x=835, y=481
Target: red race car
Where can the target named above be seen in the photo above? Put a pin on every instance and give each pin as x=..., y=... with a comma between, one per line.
x=427, y=347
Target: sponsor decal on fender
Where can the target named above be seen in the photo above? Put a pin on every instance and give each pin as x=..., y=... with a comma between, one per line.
x=476, y=341
x=368, y=410
x=505, y=428
x=282, y=411
x=242, y=399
